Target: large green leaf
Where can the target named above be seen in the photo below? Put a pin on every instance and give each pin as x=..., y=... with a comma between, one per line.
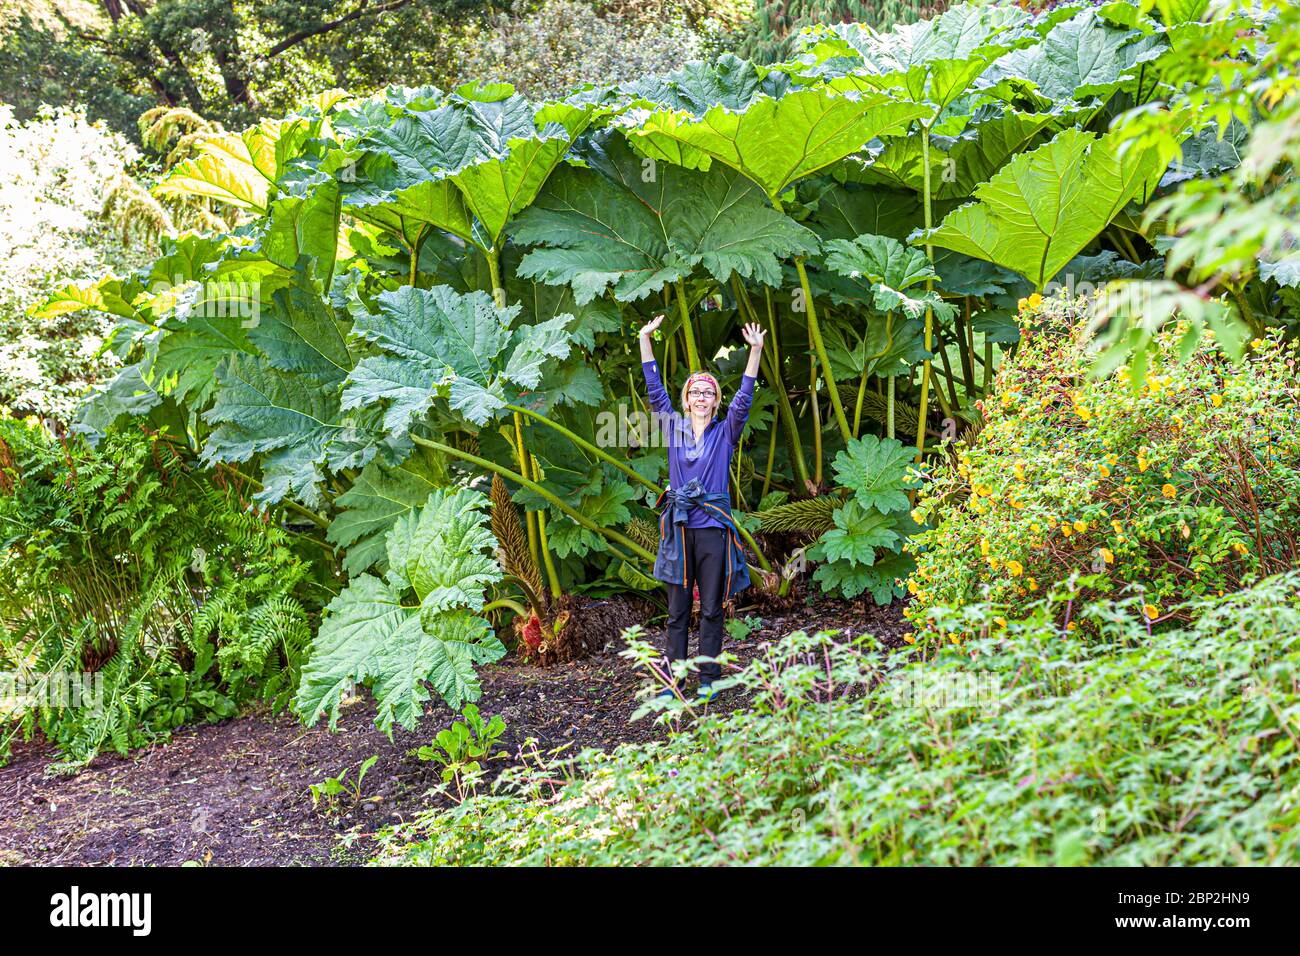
x=1044, y=206
x=1080, y=58
x=299, y=332
x=960, y=163
x=197, y=343
x=127, y=394
x=876, y=471
x=439, y=551
x=637, y=227
x=466, y=167
x=775, y=142
x=729, y=82
x=372, y=634
x=377, y=499
x=882, y=269
x=845, y=211
x=858, y=532
x=440, y=342
x=880, y=345
x=931, y=61
x=881, y=579
x=240, y=169
x=288, y=419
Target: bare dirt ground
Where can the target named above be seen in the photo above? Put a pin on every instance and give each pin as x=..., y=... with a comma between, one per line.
x=236, y=793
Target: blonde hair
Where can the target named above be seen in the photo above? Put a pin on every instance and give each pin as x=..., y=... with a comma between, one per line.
x=702, y=377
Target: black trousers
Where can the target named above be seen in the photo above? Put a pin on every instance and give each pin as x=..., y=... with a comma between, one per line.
x=706, y=562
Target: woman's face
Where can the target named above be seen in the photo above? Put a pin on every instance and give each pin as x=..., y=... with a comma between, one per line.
x=702, y=398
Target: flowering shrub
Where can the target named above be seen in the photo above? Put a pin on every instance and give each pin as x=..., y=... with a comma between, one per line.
x=562, y=43
x=1181, y=483
x=52, y=176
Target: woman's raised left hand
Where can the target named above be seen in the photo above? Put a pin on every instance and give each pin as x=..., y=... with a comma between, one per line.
x=754, y=334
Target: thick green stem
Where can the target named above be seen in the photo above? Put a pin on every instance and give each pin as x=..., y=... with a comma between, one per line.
x=771, y=457
x=552, y=577
x=692, y=354
x=816, y=416
x=952, y=380
x=494, y=275
x=586, y=445
x=415, y=256
x=857, y=409
x=814, y=330
x=966, y=346
x=889, y=409
x=507, y=603
x=771, y=362
x=923, y=406
x=530, y=517
x=608, y=533
x=529, y=594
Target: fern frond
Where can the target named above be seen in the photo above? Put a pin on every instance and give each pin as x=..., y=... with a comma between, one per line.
x=516, y=557
x=875, y=407
x=808, y=515
x=644, y=533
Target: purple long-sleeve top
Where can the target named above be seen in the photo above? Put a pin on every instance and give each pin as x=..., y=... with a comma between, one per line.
x=708, y=459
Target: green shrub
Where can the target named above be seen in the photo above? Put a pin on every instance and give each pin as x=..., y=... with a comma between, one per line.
x=1025, y=749
x=1184, y=483
x=135, y=596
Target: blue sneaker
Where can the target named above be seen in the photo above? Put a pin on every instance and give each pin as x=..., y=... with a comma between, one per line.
x=705, y=692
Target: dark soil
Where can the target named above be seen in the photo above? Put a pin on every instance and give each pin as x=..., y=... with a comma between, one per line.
x=236, y=793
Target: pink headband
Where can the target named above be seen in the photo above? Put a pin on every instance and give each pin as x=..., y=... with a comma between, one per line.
x=704, y=375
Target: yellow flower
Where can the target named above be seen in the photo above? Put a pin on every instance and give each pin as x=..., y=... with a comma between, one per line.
x=1168, y=490
x=1015, y=568
x=1035, y=301
x=1019, y=469
x=911, y=587
x=1015, y=502
x=1081, y=526
x=916, y=515
x=1112, y=460
x=1256, y=343
x=1152, y=612
x=1143, y=464
x=1021, y=304
x=1066, y=530
x=1216, y=400
x=993, y=563
x=1000, y=621
x=1103, y=471
x=1083, y=412
x=984, y=490
x=1034, y=527
x=1117, y=526
x=1072, y=626
x=910, y=638
x=1239, y=547
x=1033, y=585
x=1108, y=555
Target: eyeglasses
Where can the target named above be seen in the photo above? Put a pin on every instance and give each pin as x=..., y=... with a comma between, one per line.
x=701, y=393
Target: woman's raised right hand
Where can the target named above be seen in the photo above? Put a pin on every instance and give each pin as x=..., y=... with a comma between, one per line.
x=650, y=326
